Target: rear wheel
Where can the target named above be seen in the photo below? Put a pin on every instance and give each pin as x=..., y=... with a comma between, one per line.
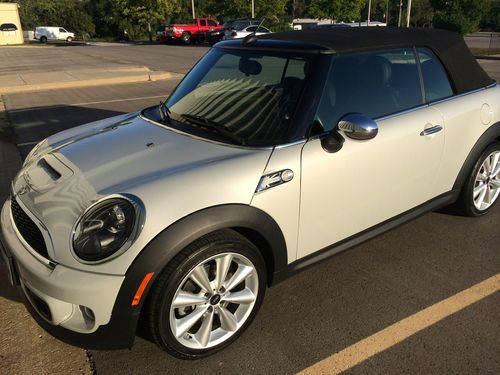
x=482, y=188
x=207, y=296
x=43, y=39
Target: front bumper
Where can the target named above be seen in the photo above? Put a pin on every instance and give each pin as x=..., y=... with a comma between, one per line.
x=75, y=306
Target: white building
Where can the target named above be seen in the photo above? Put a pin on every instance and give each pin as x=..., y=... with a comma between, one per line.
x=10, y=24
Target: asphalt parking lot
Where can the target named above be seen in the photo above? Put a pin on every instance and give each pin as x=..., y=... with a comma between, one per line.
x=361, y=302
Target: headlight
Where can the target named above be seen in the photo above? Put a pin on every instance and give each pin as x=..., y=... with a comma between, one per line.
x=104, y=229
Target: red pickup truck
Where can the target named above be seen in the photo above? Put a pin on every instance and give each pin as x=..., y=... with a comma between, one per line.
x=190, y=32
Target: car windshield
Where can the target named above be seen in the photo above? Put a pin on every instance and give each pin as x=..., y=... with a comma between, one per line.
x=252, y=95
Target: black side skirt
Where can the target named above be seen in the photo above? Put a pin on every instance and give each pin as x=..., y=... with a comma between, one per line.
x=300, y=264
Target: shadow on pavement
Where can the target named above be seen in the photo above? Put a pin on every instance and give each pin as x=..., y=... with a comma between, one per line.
x=6, y=290
x=32, y=125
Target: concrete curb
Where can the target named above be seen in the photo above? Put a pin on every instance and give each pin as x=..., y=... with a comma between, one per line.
x=146, y=76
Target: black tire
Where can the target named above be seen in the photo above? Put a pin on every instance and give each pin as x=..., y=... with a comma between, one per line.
x=43, y=39
x=186, y=38
x=465, y=203
x=69, y=39
x=160, y=298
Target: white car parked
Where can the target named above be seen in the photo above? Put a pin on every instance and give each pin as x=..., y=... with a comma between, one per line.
x=271, y=154
x=241, y=33
x=47, y=33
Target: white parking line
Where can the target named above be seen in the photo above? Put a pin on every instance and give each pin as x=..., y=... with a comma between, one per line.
x=399, y=331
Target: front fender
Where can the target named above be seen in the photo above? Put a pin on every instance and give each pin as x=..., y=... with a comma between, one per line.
x=166, y=245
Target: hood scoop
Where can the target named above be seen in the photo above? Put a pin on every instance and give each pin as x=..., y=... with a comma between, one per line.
x=46, y=171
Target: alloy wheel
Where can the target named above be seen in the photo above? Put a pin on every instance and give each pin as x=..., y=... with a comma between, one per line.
x=487, y=182
x=214, y=300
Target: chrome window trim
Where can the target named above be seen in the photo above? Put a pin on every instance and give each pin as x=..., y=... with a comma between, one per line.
x=494, y=84
x=386, y=117
x=46, y=236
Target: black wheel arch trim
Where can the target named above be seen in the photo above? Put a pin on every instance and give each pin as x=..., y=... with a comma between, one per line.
x=120, y=332
x=489, y=136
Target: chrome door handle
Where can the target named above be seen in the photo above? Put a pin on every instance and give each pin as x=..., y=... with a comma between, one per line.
x=431, y=130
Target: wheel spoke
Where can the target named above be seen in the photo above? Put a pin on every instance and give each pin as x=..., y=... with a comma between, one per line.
x=496, y=171
x=479, y=190
x=481, y=177
x=184, y=324
x=188, y=299
x=241, y=274
x=223, y=265
x=494, y=163
x=203, y=334
x=495, y=184
x=481, y=197
x=489, y=196
x=487, y=165
x=227, y=319
x=200, y=277
x=242, y=297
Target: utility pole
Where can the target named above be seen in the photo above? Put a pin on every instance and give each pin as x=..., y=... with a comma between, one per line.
x=400, y=7
x=192, y=9
x=253, y=8
x=369, y=11
x=387, y=14
x=408, y=11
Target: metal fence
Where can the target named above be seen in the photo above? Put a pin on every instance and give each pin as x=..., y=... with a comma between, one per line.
x=484, y=43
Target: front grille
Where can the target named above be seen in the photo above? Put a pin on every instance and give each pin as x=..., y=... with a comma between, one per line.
x=28, y=229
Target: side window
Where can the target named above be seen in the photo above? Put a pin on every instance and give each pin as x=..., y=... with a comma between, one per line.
x=61, y=30
x=436, y=82
x=251, y=28
x=374, y=83
x=212, y=23
x=203, y=23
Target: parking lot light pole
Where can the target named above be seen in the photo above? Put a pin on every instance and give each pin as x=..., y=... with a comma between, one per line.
x=192, y=9
x=408, y=13
x=369, y=11
x=400, y=7
x=253, y=8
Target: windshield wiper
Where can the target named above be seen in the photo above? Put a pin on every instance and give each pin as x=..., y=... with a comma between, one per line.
x=214, y=125
x=164, y=112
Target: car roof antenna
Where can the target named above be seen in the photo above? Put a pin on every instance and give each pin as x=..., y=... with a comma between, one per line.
x=252, y=38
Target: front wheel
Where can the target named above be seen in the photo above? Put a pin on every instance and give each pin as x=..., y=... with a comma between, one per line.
x=186, y=38
x=207, y=296
x=69, y=39
x=482, y=188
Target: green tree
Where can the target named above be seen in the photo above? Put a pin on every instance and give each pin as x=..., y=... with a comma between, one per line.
x=70, y=14
x=459, y=15
x=338, y=10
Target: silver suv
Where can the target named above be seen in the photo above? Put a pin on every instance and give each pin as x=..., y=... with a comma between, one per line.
x=273, y=153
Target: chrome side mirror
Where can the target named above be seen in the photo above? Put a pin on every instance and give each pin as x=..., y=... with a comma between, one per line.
x=358, y=126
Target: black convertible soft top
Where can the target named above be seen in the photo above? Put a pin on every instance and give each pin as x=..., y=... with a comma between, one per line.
x=466, y=74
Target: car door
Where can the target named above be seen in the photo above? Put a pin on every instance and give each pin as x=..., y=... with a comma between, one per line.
x=369, y=181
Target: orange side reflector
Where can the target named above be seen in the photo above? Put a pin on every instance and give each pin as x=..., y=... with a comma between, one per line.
x=142, y=288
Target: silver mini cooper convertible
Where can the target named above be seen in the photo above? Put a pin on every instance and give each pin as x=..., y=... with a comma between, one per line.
x=273, y=153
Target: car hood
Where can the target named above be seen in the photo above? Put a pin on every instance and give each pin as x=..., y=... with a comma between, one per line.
x=114, y=155
x=128, y=154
